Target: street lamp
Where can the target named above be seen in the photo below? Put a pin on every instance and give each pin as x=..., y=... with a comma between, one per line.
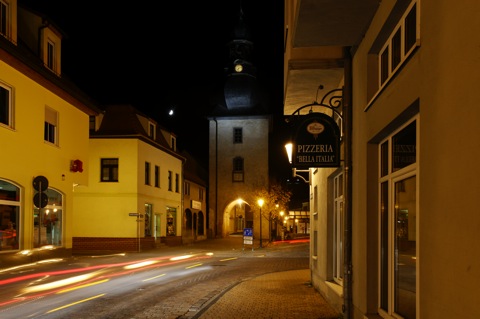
x=260, y=203
x=282, y=222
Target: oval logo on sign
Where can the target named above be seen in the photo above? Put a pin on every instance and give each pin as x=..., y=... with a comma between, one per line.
x=315, y=128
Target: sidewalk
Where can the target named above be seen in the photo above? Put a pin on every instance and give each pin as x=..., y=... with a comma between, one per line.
x=280, y=295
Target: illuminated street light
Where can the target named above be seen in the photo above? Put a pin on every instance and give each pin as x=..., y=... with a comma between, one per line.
x=260, y=203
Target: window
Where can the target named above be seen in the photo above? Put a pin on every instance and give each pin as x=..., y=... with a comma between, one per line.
x=109, y=169
x=10, y=215
x=51, y=55
x=238, y=169
x=157, y=176
x=48, y=222
x=170, y=180
x=151, y=130
x=51, y=125
x=173, y=143
x=237, y=135
x=200, y=194
x=177, y=183
x=171, y=221
x=148, y=219
x=398, y=216
x=6, y=106
x=186, y=190
x=4, y=19
x=338, y=228
x=91, y=123
x=399, y=45
x=147, y=173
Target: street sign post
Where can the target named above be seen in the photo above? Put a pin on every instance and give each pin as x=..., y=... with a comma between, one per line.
x=138, y=226
x=247, y=237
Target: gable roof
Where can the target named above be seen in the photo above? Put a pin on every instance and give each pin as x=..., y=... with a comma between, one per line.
x=124, y=121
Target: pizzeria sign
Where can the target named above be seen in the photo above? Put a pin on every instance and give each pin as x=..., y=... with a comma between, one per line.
x=316, y=142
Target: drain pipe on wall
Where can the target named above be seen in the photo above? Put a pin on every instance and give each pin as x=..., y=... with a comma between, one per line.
x=347, y=113
x=215, y=229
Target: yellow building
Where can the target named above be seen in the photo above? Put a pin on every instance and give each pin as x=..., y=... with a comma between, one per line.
x=44, y=125
x=194, y=200
x=133, y=199
x=393, y=226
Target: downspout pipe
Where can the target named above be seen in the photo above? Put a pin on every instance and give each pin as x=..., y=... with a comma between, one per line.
x=216, y=178
x=348, y=119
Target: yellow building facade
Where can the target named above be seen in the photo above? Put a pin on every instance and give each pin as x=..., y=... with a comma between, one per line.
x=43, y=130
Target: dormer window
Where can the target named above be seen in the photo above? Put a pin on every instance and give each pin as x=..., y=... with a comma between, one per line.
x=51, y=55
x=51, y=43
x=151, y=130
x=173, y=143
x=4, y=19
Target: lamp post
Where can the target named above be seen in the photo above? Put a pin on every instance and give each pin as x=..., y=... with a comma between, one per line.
x=282, y=222
x=260, y=203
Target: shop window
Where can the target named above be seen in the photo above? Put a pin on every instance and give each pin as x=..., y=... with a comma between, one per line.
x=9, y=216
x=48, y=221
x=171, y=221
x=398, y=216
x=148, y=219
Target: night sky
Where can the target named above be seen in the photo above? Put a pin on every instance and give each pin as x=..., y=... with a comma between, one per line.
x=162, y=55
x=155, y=57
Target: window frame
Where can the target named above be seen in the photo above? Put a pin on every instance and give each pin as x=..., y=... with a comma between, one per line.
x=238, y=165
x=5, y=19
x=147, y=173
x=112, y=170
x=51, y=56
x=338, y=227
x=51, y=123
x=157, y=176
x=170, y=182
x=6, y=106
x=388, y=264
x=237, y=135
x=387, y=68
x=151, y=130
x=177, y=183
x=12, y=197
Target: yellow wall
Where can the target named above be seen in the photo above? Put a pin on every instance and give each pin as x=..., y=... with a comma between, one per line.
x=104, y=208
x=25, y=155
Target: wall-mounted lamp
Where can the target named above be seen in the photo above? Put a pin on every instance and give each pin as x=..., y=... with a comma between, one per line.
x=289, y=149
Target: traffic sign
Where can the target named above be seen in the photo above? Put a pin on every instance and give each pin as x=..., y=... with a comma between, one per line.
x=40, y=183
x=40, y=200
x=247, y=232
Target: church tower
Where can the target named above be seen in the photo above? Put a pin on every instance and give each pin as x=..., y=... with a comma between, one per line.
x=239, y=128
